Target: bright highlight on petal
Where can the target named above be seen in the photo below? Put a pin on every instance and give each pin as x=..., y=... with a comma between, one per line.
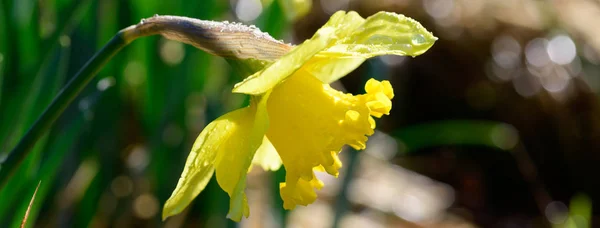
x=309, y=124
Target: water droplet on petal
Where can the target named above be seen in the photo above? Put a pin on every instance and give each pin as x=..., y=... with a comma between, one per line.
x=418, y=39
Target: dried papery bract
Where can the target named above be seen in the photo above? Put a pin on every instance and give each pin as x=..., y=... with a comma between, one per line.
x=225, y=39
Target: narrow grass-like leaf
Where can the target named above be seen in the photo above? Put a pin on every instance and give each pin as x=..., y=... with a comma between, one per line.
x=26, y=216
x=23, y=28
x=457, y=132
x=74, y=13
x=25, y=18
x=20, y=108
x=12, y=194
x=58, y=105
x=53, y=77
x=3, y=47
x=46, y=85
x=60, y=144
x=49, y=81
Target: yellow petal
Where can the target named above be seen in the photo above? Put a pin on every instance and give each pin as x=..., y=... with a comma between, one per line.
x=235, y=155
x=341, y=45
x=339, y=25
x=309, y=124
x=328, y=69
x=381, y=34
x=228, y=145
x=268, y=78
x=266, y=156
x=199, y=165
x=299, y=192
x=384, y=33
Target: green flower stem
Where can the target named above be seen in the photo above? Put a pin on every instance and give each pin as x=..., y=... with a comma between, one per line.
x=64, y=98
x=59, y=104
x=229, y=40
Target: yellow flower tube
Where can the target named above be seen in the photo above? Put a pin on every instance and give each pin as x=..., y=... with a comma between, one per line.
x=295, y=117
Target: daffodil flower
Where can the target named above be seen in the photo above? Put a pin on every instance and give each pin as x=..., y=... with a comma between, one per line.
x=295, y=117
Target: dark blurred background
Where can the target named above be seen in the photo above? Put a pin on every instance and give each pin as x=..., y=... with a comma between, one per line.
x=497, y=125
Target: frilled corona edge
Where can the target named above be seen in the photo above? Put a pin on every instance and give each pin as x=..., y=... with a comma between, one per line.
x=225, y=39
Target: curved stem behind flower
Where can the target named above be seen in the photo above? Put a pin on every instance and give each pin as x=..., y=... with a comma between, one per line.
x=59, y=104
x=230, y=40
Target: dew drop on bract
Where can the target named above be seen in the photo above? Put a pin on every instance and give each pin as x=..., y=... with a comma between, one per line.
x=418, y=39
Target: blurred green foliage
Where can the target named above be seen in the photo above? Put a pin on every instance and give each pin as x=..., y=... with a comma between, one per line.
x=149, y=102
x=130, y=130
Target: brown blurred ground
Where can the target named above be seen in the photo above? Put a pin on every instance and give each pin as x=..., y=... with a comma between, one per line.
x=503, y=61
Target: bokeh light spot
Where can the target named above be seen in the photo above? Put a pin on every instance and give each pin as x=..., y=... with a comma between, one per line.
x=172, y=52
x=382, y=146
x=145, y=206
x=561, y=50
x=248, y=10
x=556, y=81
x=438, y=8
x=105, y=83
x=121, y=186
x=590, y=54
x=556, y=212
x=135, y=73
x=526, y=84
x=64, y=41
x=331, y=6
x=138, y=158
x=536, y=53
x=506, y=52
x=504, y=136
